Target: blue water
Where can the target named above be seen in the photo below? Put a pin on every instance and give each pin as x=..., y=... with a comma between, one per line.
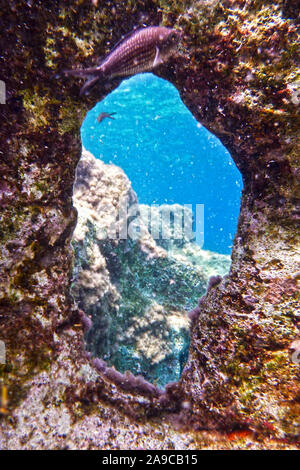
x=167, y=155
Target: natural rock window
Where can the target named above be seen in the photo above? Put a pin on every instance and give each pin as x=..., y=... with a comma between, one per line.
x=139, y=290
x=237, y=72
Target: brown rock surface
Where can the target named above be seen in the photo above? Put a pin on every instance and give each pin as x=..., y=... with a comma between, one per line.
x=237, y=73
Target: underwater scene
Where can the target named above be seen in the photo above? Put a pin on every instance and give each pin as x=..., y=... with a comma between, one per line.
x=149, y=228
x=147, y=141
x=166, y=154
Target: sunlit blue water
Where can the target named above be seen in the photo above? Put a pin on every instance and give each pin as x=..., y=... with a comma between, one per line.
x=167, y=155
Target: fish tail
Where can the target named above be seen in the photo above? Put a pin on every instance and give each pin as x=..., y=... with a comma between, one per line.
x=83, y=72
x=88, y=84
x=92, y=74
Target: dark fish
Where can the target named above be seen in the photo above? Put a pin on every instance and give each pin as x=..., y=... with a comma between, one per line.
x=140, y=51
x=105, y=115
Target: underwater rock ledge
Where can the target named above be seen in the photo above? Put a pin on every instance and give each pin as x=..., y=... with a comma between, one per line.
x=137, y=294
x=237, y=73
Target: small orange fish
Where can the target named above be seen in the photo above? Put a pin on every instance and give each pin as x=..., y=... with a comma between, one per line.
x=236, y=435
x=4, y=400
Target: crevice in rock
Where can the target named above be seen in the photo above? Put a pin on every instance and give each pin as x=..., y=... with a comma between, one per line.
x=138, y=290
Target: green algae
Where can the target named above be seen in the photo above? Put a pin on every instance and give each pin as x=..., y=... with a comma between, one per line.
x=67, y=123
x=37, y=106
x=139, y=282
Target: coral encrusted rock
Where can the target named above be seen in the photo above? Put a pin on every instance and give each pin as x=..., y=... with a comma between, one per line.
x=137, y=294
x=237, y=71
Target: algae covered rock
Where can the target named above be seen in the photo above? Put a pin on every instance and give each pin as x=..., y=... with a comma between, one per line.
x=137, y=293
x=237, y=72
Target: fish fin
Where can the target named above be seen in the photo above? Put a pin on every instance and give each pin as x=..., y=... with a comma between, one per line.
x=92, y=74
x=157, y=59
x=124, y=38
x=94, y=70
x=83, y=72
x=88, y=84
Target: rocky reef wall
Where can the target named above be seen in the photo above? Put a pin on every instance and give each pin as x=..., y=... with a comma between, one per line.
x=136, y=293
x=237, y=72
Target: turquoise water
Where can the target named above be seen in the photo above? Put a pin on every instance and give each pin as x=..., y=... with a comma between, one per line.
x=167, y=155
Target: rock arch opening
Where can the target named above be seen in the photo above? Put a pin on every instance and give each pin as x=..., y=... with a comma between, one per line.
x=150, y=182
